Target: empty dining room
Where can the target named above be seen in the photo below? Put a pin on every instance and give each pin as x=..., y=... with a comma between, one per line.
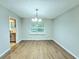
x=39, y=29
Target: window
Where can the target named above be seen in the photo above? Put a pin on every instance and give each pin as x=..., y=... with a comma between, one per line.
x=37, y=27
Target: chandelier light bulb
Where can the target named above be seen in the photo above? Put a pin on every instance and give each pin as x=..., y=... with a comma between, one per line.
x=34, y=20
x=39, y=20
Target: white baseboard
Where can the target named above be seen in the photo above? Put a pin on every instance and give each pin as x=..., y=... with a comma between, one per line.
x=36, y=39
x=4, y=52
x=8, y=50
x=66, y=49
x=18, y=41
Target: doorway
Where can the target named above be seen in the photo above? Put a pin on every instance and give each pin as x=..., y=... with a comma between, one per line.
x=12, y=30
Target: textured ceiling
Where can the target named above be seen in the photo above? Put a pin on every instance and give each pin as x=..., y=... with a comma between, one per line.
x=47, y=8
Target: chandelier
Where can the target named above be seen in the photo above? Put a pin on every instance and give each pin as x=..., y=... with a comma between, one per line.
x=36, y=18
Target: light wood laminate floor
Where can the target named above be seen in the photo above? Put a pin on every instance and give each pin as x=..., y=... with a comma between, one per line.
x=42, y=49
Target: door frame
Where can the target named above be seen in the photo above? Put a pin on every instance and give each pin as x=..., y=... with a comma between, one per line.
x=12, y=18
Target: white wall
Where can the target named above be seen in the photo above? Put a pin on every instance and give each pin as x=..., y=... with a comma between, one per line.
x=26, y=30
x=4, y=29
x=66, y=30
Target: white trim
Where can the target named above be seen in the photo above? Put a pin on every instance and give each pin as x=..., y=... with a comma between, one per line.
x=4, y=52
x=18, y=41
x=8, y=50
x=12, y=17
x=66, y=49
x=37, y=39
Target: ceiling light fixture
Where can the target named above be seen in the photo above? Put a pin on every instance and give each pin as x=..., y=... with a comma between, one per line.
x=36, y=18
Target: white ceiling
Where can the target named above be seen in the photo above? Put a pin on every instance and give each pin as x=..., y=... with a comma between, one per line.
x=47, y=8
